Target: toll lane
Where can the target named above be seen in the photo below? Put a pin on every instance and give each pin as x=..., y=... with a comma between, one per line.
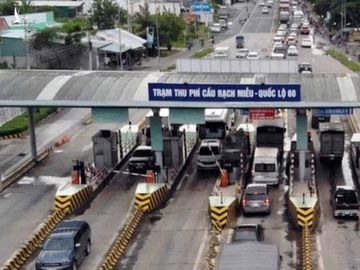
x=176, y=240
x=337, y=240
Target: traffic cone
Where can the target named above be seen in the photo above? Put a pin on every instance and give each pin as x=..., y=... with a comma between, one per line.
x=149, y=177
x=224, y=178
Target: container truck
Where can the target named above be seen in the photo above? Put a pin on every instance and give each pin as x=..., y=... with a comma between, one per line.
x=332, y=141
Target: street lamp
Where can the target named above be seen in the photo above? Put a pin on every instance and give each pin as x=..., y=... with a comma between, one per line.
x=120, y=49
x=157, y=35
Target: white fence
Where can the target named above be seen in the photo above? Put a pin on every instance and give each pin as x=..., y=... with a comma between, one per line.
x=216, y=65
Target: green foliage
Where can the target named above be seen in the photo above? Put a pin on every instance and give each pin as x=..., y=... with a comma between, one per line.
x=202, y=53
x=74, y=30
x=344, y=60
x=104, y=14
x=44, y=38
x=7, y=7
x=20, y=122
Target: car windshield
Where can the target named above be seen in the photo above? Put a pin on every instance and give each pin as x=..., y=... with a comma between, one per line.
x=205, y=151
x=59, y=244
x=264, y=167
x=346, y=196
x=244, y=234
x=142, y=153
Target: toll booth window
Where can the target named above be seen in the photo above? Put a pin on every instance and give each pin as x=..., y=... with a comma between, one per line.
x=142, y=153
x=205, y=151
x=264, y=167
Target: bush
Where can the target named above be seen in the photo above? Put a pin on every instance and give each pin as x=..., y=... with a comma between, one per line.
x=20, y=122
x=344, y=59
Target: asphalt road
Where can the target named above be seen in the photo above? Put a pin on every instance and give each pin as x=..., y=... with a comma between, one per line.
x=26, y=203
x=177, y=240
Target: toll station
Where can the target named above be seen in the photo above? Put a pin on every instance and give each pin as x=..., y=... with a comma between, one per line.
x=187, y=95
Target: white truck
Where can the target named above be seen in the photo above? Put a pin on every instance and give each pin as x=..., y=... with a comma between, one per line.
x=221, y=52
x=266, y=166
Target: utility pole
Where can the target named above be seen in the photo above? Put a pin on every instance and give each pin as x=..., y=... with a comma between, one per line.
x=120, y=49
x=90, y=50
x=27, y=64
x=157, y=34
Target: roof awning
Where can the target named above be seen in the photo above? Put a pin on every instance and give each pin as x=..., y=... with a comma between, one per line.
x=115, y=48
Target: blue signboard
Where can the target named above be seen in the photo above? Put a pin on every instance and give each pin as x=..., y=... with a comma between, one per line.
x=191, y=92
x=330, y=111
x=200, y=6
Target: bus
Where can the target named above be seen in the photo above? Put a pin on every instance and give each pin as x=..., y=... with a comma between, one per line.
x=217, y=122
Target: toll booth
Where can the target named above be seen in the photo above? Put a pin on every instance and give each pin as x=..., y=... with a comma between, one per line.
x=174, y=150
x=105, y=148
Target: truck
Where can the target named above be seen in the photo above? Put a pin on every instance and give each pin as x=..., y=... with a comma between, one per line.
x=284, y=16
x=236, y=148
x=332, y=141
x=245, y=256
x=344, y=201
x=267, y=167
x=223, y=21
x=240, y=42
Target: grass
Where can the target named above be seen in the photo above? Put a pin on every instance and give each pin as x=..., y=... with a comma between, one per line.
x=343, y=59
x=20, y=122
x=178, y=43
x=166, y=53
x=202, y=53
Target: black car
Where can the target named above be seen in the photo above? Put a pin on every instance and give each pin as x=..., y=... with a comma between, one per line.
x=305, y=67
x=248, y=232
x=66, y=247
x=345, y=201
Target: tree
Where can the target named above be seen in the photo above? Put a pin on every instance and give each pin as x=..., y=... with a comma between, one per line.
x=170, y=27
x=7, y=7
x=45, y=38
x=74, y=30
x=104, y=14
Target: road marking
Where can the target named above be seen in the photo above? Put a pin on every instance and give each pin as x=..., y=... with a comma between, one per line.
x=198, y=256
x=294, y=256
x=320, y=260
x=247, y=21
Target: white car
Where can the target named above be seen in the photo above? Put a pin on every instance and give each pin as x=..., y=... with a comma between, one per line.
x=281, y=33
x=278, y=39
x=269, y=3
x=265, y=10
x=282, y=27
x=306, y=43
x=262, y=3
x=209, y=154
x=291, y=39
x=292, y=51
x=242, y=53
x=216, y=28
x=278, y=52
x=252, y=55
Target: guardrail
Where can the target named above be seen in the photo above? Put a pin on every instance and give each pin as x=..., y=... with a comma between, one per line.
x=306, y=245
x=213, y=249
x=119, y=247
x=18, y=259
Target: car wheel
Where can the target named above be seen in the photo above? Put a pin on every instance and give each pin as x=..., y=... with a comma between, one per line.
x=88, y=248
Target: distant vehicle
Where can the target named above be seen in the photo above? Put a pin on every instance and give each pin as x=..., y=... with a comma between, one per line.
x=278, y=52
x=209, y=154
x=305, y=29
x=297, y=17
x=270, y=133
x=143, y=159
x=269, y=3
x=332, y=141
x=252, y=55
x=345, y=201
x=292, y=51
x=240, y=41
x=306, y=43
x=223, y=23
x=216, y=124
x=261, y=3
x=248, y=232
x=216, y=28
x=291, y=39
x=235, y=149
x=257, y=199
x=294, y=25
x=281, y=33
x=278, y=39
x=266, y=166
x=242, y=53
x=316, y=119
x=66, y=247
x=278, y=44
x=282, y=27
x=283, y=7
x=265, y=10
x=293, y=30
x=221, y=52
x=304, y=67
x=284, y=16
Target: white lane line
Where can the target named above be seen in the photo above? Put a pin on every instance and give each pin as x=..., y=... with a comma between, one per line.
x=198, y=256
x=294, y=256
x=247, y=21
x=320, y=260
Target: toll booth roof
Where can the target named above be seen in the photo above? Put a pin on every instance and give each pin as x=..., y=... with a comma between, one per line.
x=21, y=88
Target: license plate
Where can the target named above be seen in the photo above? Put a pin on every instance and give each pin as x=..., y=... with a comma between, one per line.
x=255, y=204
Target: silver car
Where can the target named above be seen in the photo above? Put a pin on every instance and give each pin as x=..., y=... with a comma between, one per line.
x=257, y=199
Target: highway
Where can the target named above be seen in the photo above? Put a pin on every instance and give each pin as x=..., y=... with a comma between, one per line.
x=27, y=202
